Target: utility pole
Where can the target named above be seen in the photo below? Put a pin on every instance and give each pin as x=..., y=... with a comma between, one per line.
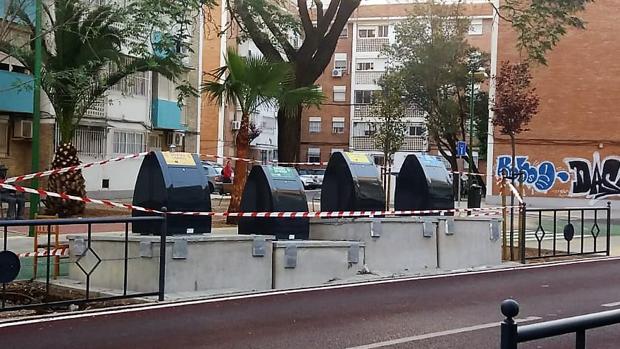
x=36, y=111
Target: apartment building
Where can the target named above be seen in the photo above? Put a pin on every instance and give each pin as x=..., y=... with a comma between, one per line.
x=346, y=121
x=138, y=114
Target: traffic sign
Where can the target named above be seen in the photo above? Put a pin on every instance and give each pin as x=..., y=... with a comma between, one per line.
x=461, y=148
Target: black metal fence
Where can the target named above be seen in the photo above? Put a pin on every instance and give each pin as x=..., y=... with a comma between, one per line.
x=10, y=262
x=558, y=232
x=512, y=334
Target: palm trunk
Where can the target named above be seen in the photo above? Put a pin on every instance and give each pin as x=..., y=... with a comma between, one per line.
x=71, y=183
x=242, y=142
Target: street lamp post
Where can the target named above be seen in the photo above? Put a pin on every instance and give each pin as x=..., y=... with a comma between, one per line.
x=472, y=75
x=36, y=104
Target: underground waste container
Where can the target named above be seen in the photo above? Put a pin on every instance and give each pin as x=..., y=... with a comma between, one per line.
x=423, y=183
x=351, y=183
x=274, y=189
x=178, y=182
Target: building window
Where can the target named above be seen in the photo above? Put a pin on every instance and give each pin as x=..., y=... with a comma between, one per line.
x=416, y=130
x=128, y=142
x=382, y=31
x=314, y=154
x=340, y=62
x=154, y=142
x=363, y=97
x=338, y=125
x=340, y=93
x=136, y=84
x=475, y=27
x=366, y=32
x=89, y=141
x=344, y=33
x=365, y=66
x=314, y=126
x=4, y=137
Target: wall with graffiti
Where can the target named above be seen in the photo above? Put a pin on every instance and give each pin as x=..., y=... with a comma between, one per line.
x=574, y=177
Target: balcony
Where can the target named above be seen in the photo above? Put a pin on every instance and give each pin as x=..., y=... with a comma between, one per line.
x=166, y=115
x=368, y=77
x=367, y=143
x=362, y=111
x=97, y=110
x=16, y=92
x=371, y=44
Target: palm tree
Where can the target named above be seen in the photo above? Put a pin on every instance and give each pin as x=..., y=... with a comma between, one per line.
x=82, y=58
x=252, y=82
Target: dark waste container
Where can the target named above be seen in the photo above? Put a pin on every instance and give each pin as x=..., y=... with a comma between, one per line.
x=423, y=183
x=474, y=196
x=274, y=189
x=178, y=182
x=351, y=183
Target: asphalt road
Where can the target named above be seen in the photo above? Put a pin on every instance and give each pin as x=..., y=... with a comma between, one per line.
x=444, y=312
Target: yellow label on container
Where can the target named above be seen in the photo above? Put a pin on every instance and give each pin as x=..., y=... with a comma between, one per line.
x=358, y=158
x=178, y=159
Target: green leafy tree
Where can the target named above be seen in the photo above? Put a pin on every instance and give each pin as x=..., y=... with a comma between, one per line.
x=435, y=63
x=389, y=108
x=89, y=48
x=249, y=83
x=304, y=37
x=540, y=24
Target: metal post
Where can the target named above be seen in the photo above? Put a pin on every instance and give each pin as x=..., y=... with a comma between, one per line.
x=36, y=109
x=510, y=309
x=522, y=232
x=162, y=254
x=608, y=227
x=580, y=339
x=504, y=217
x=471, y=131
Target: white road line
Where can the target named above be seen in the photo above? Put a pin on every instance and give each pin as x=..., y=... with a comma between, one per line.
x=134, y=308
x=610, y=305
x=438, y=334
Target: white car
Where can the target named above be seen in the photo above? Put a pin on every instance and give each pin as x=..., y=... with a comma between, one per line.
x=311, y=178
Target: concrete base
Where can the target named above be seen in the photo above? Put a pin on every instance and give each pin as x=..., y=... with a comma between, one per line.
x=417, y=244
x=193, y=262
x=311, y=263
x=471, y=243
x=392, y=245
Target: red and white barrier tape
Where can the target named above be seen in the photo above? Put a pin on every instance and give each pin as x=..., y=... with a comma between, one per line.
x=71, y=168
x=85, y=199
x=62, y=251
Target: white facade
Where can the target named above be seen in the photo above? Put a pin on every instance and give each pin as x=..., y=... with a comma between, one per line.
x=367, y=66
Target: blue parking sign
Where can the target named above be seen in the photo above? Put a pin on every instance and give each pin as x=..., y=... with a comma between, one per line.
x=461, y=148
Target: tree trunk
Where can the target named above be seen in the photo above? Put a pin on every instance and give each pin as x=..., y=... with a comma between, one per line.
x=513, y=165
x=289, y=135
x=71, y=183
x=242, y=142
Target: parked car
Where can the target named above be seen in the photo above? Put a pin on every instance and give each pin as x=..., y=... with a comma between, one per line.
x=214, y=174
x=311, y=178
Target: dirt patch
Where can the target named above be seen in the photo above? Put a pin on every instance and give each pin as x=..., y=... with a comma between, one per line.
x=33, y=292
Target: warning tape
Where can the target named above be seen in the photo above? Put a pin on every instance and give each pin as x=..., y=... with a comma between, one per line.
x=85, y=199
x=71, y=168
x=62, y=251
x=318, y=214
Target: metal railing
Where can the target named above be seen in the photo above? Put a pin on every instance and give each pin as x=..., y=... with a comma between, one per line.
x=512, y=334
x=414, y=143
x=551, y=232
x=371, y=44
x=10, y=297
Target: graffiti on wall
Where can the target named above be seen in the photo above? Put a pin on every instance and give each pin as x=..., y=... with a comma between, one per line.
x=596, y=179
x=593, y=179
x=540, y=178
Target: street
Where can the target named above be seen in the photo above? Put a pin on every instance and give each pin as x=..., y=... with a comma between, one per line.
x=458, y=311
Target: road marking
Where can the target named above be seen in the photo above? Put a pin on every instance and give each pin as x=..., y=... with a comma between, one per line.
x=610, y=305
x=438, y=334
x=172, y=304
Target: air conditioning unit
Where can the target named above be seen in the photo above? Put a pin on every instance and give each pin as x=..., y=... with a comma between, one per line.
x=23, y=129
x=236, y=124
x=337, y=73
